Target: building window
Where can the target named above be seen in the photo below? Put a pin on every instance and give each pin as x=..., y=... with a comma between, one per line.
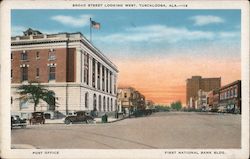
x=110, y=79
x=37, y=72
x=104, y=104
x=236, y=91
x=94, y=102
x=103, y=84
x=11, y=56
x=125, y=95
x=111, y=101
x=114, y=84
x=117, y=108
x=86, y=68
x=24, y=55
x=24, y=73
x=100, y=103
x=231, y=93
x=86, y=100
x=108, y=104
x=52, y=54
x=37, y=55
x=23, y=104
x=93, y=73
x=53, y=105
x=11, y=73
x=107, y=86
x=98, y=76
x=52, y=73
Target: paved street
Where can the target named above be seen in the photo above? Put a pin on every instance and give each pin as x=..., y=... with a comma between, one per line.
x=160, y=130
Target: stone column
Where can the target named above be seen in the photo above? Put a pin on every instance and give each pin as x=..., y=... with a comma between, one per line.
x=90, y=71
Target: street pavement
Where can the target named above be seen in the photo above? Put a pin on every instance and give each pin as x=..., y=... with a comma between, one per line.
x=163, y=130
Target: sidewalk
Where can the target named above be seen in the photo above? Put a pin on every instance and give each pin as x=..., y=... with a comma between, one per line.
x=97, y=120
x=22, y=146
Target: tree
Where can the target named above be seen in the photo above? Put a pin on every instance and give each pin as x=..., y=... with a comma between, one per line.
x=34, y=92
x=176, y=105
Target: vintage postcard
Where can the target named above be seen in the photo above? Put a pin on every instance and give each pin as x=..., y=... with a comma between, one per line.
x=123, y=79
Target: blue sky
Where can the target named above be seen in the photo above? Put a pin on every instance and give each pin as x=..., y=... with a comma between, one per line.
x=155, y=50
x=141, y=32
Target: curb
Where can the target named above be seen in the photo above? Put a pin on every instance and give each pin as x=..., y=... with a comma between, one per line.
x=99, y=122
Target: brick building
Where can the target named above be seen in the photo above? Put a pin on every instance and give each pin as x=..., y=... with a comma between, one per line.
x=213, y=98
x=196, y=83
x=130, y=99
x=230, y=97
x=67, y=63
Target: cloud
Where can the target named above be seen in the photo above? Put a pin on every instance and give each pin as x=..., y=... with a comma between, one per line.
x=17, y=30
x=164, y=34
x=201, y=20
x=78, y=21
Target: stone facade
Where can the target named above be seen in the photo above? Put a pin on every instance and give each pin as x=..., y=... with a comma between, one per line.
x=67, y=63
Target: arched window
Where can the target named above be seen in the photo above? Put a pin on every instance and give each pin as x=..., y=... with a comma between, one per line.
x=100, y=103
x=108, y=104
x=104, y=104
x=94, y=102
x=86, y=100
x=23, y=104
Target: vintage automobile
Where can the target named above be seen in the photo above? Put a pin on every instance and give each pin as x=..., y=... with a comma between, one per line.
x=79, y=117
x=37, y=118
x=16, y=121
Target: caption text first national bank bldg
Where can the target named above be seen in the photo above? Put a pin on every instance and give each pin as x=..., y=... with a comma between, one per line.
x=67, y=63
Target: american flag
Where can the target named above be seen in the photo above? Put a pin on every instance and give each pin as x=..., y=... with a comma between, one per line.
x=95, y=25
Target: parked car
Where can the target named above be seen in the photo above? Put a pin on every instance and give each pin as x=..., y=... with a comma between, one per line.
x=16, y=121
x=222, y=109
x=141, y=112
x=37, y=118
x=79, y=117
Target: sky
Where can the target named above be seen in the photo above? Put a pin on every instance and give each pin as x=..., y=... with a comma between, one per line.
x=154, y=50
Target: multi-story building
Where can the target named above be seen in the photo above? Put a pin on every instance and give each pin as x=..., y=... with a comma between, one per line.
x=202, y=99
x=130, y=99
x=213, y=99
x=80, y=75
x=230, y=96
x=194, y=84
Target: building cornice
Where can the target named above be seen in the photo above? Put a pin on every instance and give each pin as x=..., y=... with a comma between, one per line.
x=60, y=38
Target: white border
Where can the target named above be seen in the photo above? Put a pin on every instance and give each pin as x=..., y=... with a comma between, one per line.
x=6, y=152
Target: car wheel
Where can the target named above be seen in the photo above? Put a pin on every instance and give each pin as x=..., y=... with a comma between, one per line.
x=67, y=121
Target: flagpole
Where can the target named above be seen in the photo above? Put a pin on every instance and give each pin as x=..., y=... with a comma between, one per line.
x=90, y=29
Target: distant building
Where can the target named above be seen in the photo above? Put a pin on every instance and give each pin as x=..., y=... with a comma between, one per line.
x=149, y=104
x=196, y=83
x=202, y=99
x=230, y=96
x=213, y=99
x=67, y=63
x=129, y=99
